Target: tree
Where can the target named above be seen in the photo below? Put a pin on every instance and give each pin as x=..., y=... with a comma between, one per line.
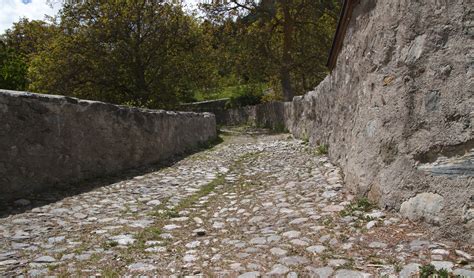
x=278, y=29
x=142, y=53
x=13, y=69
x=28, y=37
x=17, y=46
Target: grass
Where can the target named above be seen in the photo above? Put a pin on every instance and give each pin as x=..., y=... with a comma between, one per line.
x=360, y=205
x=322, y=149
x=109, y=272
x=203, y=191
x=227, y=91
x=147, y=234
x=429, y=270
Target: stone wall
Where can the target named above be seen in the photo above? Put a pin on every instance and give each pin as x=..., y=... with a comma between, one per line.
x=398, y=110
x=269, y=115
x=54, y=140
x=216, y=107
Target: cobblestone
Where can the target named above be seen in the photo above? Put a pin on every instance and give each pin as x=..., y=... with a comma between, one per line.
x=256, y=205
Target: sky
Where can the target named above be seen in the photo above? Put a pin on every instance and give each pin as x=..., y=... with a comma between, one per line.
x=12, y=10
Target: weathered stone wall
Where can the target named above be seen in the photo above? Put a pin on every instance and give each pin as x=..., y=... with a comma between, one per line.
x=54, y=140
x=269, y=115
x=398, y=110
x=216, y=107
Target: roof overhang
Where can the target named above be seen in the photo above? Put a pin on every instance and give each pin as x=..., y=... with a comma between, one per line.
x=342, y=25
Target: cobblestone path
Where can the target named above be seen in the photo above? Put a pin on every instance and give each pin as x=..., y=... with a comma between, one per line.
x=256, y=205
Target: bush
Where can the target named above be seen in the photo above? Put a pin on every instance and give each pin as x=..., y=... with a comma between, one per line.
x=247, y=95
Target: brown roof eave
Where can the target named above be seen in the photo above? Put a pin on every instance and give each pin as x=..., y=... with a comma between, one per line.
x=342, y=25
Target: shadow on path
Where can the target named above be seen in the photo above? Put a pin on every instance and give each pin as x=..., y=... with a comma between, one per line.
x=55, y=193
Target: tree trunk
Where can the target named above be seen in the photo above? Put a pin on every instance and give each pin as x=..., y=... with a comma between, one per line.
x=286, y=61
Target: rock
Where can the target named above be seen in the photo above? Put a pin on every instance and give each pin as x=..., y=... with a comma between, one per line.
x=9, y=262
x=218, y=225
x=67, y=257
x=291, y=234
x=337, y=262
x=153, y=203
x=257, y=219
x=278, y=251
x=371, y=224
x=258, y=240
x=41, y=272
x=333, y=208
x=324, y=238
x=193, y=244
x=189, y=258
x=180, y=219
x=253, y=274
x=443, y=265
x=141, y=267
x=156, y=249
x=464, y=255
x=153, y=242
x=279, y=269
x=53, y=240
x=123, y=239
x=298, y=221
x=299, y=242
x=292, y=275
x=18, y=246
x=317, y=249
x=273, y=238
x=344, y=273
x=200, y=232
x=45, y=259
x=409, y=270
x=375, y=215
x=216, y=258
x=322, y=272
x=293, y=260
x=166, y=236
x=465, y=273
x=378, y=245
x=171, y=227
x=416, y=244
x=83, y=257
x=80, y=215
x=423, y=207
x=22, y=202
x=440, y=252
x=198, y=220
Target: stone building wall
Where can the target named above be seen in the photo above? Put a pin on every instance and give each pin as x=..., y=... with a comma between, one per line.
x=54, y=140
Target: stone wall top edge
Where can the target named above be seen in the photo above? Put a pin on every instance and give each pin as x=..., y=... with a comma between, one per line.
x=77, y=101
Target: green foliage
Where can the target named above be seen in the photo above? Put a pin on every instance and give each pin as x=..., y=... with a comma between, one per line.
x=359, y=205
x=281, y=43
x=154, y=54
x=247, y=95
x=140, y=53
x=428, y=270
x=13, y=69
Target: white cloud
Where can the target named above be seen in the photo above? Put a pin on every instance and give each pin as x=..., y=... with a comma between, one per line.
x=12, y=10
